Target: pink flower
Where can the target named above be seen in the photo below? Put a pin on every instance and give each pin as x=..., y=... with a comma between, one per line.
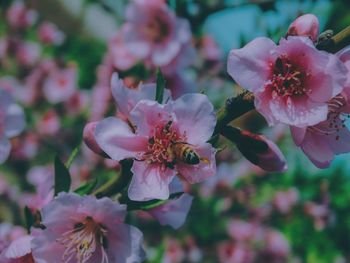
x=174, y=212
x=19, y=16
x=127, y=98
x=49, y=124
x=292, y=82
x=153, y=32
x=86, y=229
x=28, y=53
x=19, y=251
x=231, y=252
x=49, y=34
x=284, y=200
x=276, y=245
x=61, y=84
x=155, y=140
x=12, y=123
x=305, y=25
x=9, y=233
x=323, y=141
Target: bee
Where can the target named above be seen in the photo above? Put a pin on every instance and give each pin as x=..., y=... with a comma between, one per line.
x=183, y=152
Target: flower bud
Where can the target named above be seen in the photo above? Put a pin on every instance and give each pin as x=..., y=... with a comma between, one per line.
x=89, y=139
x=305, y=25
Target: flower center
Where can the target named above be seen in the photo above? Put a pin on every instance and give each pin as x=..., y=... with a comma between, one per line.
x=83, y=241
x=26, y=259
x=335, y=119
x=287, y=79
x=159, y=146
x=157, y=29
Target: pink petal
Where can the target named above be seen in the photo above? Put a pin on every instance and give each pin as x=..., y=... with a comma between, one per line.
x=149, y=182
x=250, y=66
x=19, y=248
x=305, y=25
x=298, y=134
x=117, y=140
x=195, y=117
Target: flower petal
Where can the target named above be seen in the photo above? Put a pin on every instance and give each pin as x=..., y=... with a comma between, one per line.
x=116, y=139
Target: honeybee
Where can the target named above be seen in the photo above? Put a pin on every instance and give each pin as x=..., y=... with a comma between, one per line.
x=183, y=152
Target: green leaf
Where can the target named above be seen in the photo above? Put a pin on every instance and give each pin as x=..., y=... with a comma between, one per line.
x=86, y=188
x=160, y=86
x=62, y=177
x=29, y=218
x=136, y=205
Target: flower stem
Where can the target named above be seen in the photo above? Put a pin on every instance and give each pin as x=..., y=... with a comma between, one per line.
x=337, y=42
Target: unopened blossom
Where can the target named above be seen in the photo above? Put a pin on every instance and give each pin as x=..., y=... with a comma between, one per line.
x=49, y=34
x=153, y=32
x=60, y=84
x=19, y=251
x=85, y=229
x=12, y=123
x=157, y=141
x=19, y=16
x=305, y=25
x=331, y=137
x=292, y=82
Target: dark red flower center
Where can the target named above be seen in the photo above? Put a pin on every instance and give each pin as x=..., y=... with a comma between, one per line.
x=288, y=79
x=157, y=29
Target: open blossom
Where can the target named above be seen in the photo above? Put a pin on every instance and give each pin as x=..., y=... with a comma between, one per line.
x=86, y=229
x=12, y=122
x=61, y=84
x=292, y=82
x=164, y=140
x=153, y=32
x=323, y=141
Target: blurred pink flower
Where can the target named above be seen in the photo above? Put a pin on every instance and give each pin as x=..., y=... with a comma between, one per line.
x=49, y=123
x=231, y=252
x=285, y=200
x=86, y=229
x=242, y=231
x=19, y=16
x=323, y=141
x=306, y=25
x=12, y=123
x=61, y=84
x=78, y=102
x=9, y=233
x=276, y=245
x=174, y=252
x=151, y=140
x=28, y=53
x=292, y=82
x=209, y=49
x=26, y=147
x=49, y=34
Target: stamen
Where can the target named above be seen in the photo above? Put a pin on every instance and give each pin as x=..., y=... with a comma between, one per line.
x=83, y=240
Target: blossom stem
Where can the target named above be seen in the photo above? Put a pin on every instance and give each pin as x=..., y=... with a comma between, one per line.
x=118, y=183
x=234, y=108
x=337, y=42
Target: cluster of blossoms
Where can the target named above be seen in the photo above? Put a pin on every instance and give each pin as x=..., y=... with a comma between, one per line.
x=298, y=85
x=158, y=142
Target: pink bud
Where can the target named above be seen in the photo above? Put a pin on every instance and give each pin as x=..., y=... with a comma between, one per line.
x=305, y=25
x=262, y=152
x=89, y=138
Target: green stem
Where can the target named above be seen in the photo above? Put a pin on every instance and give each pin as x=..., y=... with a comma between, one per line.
x=337, y=42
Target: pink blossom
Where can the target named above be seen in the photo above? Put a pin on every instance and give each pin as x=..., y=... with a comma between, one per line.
x=174, y=212
x=323, y=141
x=26, y=147
x=86, y=229
x=174, y=252
x=242, y=231
x=305, y=25
x=276, y=245
x=49, y=34
x=9, y=233
x=127, y=98
x=12, y=123
x=209, y=49
x=19, y=16
x=78, y=102
x=28, y=53
x=231, y=252
x=285, y=200
x=61, y=84
x=154, y=139
x=19, y=251
x=49, y=123
x=154, y=33
x=292, y=82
